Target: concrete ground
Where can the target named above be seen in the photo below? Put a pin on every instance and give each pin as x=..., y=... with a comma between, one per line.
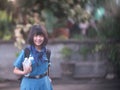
x=92, y=84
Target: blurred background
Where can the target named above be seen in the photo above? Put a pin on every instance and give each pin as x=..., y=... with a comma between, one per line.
x=84, y=37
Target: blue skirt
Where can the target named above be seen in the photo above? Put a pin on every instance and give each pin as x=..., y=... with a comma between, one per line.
x=36, y=84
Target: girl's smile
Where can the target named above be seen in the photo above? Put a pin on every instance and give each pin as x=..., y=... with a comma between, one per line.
x=38, y=40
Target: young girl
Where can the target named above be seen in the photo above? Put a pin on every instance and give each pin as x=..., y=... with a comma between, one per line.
x=35, y=74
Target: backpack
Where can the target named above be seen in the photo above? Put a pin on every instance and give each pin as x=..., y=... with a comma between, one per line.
x=27, y=53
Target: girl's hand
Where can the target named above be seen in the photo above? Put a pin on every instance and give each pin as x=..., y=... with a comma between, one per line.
x=27, y=70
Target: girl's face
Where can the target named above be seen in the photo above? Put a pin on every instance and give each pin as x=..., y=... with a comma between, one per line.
x=38, y=40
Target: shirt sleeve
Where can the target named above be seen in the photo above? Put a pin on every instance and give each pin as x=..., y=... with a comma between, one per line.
x=19, y=60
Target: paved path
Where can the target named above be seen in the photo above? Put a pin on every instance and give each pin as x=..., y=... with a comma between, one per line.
x=72, y=85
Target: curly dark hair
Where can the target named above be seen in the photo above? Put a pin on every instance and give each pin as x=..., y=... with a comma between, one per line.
x=37, y=30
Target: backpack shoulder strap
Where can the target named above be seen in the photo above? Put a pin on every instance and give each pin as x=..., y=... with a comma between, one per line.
x=48, y=53
x=27, y=52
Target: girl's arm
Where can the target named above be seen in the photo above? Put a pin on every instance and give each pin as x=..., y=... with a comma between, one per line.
x=17, y=71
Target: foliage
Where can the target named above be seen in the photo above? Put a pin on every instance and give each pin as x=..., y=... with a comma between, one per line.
x=5, y=25
x=113, y=53
x=66, y=52
x=20, y=34
x=57, y=12
x=3, y=4
x=109, y=29
x=84, y=50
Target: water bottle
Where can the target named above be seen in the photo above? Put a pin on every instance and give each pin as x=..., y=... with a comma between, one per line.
x=27, y=64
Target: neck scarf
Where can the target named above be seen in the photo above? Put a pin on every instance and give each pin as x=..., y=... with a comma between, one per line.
x=38, y=55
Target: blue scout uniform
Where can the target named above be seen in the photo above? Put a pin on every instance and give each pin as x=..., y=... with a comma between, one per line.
x=39, y=65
